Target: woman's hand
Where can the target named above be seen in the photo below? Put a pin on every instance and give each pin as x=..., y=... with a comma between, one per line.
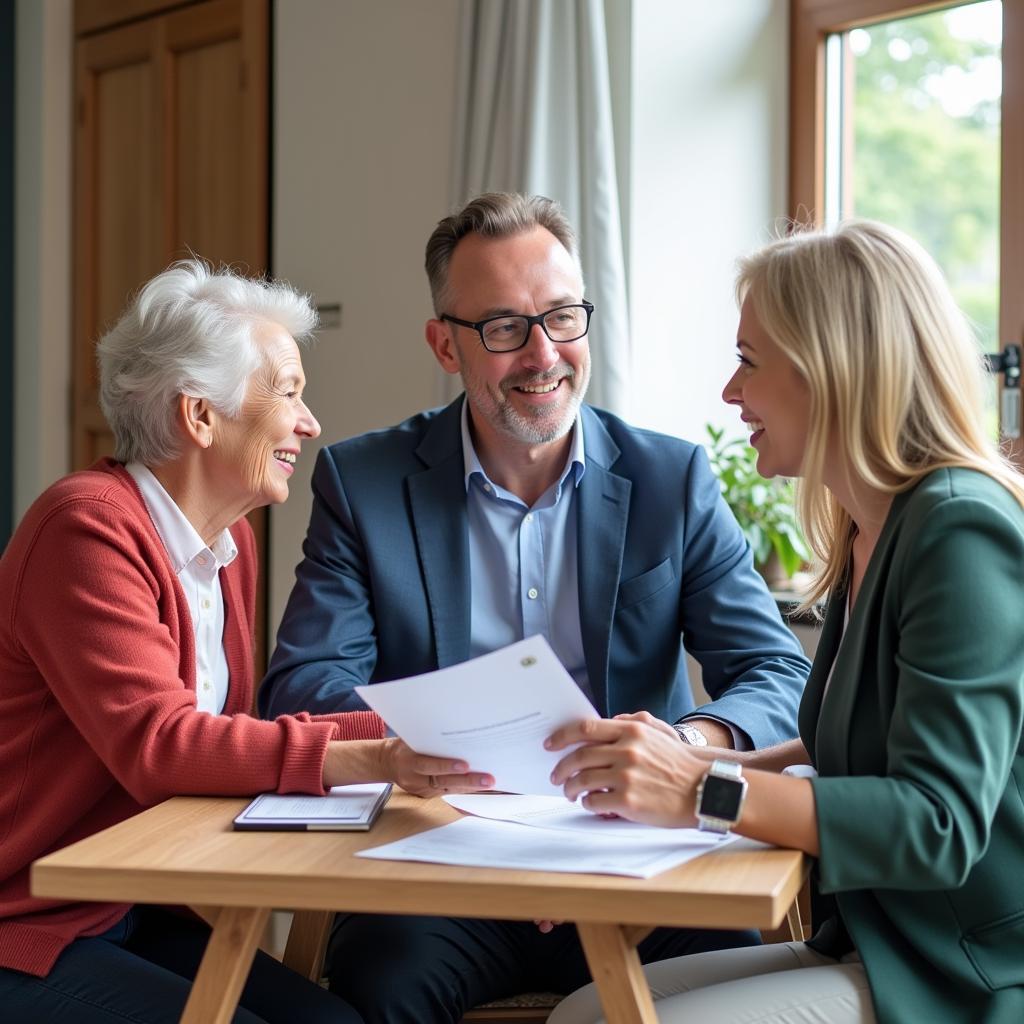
x=633, y=766
x=426, y=776
x=391, y=760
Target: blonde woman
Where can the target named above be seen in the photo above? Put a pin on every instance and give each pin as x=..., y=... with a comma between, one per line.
x=859, y=375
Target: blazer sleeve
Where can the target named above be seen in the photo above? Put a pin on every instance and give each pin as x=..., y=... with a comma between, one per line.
x=957, y=710
x=753, y=667
x=327, y=640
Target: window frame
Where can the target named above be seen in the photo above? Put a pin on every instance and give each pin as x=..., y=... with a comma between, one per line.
x=811, y=21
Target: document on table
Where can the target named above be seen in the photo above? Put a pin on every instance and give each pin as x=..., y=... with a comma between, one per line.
x=558, y=813
x=493, y=712
x=481, y=842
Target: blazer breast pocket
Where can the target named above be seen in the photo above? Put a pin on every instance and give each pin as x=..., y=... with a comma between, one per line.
x=646, y=585
x=997, y=951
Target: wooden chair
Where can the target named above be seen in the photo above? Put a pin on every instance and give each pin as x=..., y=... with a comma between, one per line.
x=529, y=1008
x=307, y=944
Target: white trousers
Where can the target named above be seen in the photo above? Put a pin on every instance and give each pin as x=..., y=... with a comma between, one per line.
x=781, y=983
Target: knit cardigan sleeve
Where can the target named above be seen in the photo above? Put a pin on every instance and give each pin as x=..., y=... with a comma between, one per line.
x=102, y=618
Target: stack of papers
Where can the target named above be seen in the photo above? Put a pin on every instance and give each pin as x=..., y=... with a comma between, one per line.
x=495, y=713
x=543, y=833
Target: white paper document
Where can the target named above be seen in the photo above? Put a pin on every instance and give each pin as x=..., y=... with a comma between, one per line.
x=558, y=813
x=481, y=842
x=493, y=712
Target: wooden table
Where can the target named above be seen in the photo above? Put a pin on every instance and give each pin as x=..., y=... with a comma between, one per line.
x=185, y=852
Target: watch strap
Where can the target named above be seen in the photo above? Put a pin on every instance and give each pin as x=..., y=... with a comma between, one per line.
x=727, y=769
x=690, y=734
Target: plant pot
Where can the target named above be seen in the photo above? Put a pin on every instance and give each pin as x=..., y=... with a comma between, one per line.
x=772, y=572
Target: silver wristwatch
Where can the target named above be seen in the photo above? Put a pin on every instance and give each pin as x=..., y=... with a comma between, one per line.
x=720, y=797
x=690, y=734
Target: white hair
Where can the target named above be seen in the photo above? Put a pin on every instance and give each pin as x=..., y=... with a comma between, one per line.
x=188, y=331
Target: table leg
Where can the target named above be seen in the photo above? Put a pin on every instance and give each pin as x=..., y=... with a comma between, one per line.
x=615, y=968
x=208, y=914
x=307, y=942
x=795, y=923
x=225, y=966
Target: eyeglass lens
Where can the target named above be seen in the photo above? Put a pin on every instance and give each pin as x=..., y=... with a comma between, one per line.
x=568, y=323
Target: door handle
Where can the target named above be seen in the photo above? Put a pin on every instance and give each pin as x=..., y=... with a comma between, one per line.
x=1008, y=363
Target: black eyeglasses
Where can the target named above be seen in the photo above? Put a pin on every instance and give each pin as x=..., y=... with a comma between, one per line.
x=507, y=333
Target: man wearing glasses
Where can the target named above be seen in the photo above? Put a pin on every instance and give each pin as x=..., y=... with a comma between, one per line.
x=518, y=510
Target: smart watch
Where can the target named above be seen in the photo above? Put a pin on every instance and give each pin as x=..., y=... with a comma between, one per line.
x=690, y=734
x=720, y=797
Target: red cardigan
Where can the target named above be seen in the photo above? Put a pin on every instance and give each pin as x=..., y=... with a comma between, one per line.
x=98, y=713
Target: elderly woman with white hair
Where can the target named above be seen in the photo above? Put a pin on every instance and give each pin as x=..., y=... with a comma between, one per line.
x=126, y=637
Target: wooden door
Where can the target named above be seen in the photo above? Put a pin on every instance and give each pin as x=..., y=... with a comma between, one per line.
x=171, y=158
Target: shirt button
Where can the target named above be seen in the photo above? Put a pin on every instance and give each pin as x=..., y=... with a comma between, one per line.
x=206, y=602
x=488, y=488
x=201, y=559
x=532, y=593
x=206, y=684
x=528, y=517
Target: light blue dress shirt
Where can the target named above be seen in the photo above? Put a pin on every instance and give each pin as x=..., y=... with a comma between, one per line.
x=523, y=560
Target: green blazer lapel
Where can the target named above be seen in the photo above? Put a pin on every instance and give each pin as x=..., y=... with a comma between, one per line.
x=810, y=702
x=437, y=501
x=601, y=538
x=835, y=709
x=834, y=733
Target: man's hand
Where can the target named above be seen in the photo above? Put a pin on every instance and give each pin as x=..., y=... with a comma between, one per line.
x=648, y=719
x=630, y=767
x=427, y=776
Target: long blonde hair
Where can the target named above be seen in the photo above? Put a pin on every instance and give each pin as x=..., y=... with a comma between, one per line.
x=894, y=371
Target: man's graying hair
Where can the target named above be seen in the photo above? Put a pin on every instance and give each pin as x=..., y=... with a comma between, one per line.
x=493, y=215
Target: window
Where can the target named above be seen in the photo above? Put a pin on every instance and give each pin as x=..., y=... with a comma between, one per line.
x=907, y=114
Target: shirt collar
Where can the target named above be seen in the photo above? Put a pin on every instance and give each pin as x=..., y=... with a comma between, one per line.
x=180, y=538
x=575, y=463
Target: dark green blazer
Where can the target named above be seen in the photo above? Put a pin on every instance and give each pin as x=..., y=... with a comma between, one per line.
x=918, y=746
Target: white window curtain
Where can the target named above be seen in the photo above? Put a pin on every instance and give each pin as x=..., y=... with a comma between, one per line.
x=534, y=115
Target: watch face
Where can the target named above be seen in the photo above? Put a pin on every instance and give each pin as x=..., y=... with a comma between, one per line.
x=720, y=798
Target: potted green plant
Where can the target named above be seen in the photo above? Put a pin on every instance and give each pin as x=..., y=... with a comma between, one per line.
x=764, y=509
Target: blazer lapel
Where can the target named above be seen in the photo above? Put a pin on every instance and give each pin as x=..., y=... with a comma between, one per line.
x=437, y=499
x=601, y=537
x=834, y=733
x=814, y=691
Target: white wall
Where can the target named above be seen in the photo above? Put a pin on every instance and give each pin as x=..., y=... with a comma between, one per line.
x=364, y=98
x=364, y=102
x=708, y=175
x=42, y=225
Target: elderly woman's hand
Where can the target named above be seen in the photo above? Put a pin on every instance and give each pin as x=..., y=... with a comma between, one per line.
x=427, y=776
x=630, y=767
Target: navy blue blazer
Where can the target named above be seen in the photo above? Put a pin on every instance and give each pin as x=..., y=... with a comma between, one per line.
x=383, y=591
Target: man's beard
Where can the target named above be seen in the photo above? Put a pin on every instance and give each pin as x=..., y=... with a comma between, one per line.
x=535, y=427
